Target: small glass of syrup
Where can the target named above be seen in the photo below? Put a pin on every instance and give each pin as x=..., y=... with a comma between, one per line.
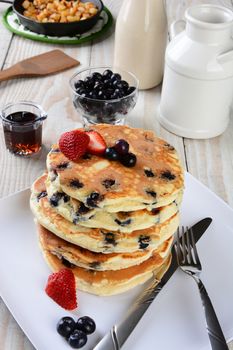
x=22, y=126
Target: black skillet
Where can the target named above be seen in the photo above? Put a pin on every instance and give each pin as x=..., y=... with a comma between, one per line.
x=55, y=29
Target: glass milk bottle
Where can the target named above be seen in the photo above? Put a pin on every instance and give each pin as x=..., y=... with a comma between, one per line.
x=140, y=40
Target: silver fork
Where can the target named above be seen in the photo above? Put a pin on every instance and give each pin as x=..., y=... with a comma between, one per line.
x=189, y=262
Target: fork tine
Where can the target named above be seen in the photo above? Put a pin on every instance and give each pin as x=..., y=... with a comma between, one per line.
x=194, y=248
x=178, y=250
x=189, y=255
x=183, y=246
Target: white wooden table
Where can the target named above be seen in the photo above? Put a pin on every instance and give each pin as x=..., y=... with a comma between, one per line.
x=210, y=161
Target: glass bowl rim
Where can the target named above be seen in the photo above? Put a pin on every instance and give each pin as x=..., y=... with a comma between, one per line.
x=42, y=117
x=104, y=67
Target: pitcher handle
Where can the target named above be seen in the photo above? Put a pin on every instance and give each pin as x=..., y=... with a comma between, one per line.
x=177, y=27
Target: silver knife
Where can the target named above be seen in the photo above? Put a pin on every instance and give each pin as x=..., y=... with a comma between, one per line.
x=119, y=333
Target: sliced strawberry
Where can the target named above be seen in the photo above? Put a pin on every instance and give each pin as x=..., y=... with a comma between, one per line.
x=61, y=288
x=73, y=144
x=97, y=145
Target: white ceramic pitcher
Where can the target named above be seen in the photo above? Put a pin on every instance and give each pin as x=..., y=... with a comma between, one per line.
x=197, y=90
x=140, y=40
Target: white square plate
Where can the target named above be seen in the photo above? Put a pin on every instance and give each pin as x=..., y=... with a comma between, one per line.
x=175, y=320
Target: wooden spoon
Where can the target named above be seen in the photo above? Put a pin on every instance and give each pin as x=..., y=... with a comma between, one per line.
x=44, y=64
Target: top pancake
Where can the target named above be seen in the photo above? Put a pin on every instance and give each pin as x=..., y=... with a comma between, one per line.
x=154, y=181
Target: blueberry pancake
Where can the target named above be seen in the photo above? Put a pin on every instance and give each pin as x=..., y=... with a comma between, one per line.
x=76, y=212
x=110, y=282
x=97, y=239
x=72, y=255
x=98, y=182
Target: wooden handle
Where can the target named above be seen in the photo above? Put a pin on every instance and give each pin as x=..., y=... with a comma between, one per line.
x=12, y=72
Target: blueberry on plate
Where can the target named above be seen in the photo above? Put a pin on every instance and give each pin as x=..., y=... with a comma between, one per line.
x=65, y=326
x=77, y=339
x=86, y=324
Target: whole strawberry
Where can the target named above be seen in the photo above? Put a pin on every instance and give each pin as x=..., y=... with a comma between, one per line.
x=73, y=144
x=61, y=288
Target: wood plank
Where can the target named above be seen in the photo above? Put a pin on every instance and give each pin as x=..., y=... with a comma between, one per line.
x=5, y=36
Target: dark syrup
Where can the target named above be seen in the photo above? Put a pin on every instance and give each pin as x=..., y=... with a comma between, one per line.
x=23, y=134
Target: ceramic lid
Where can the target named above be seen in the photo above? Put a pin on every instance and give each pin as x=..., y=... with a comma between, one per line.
x=197, y=60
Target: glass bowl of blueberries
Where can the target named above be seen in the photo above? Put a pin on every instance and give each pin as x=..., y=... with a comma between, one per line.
x=104, y=94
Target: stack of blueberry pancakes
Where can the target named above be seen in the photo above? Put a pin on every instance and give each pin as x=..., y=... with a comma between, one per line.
x=111, y=224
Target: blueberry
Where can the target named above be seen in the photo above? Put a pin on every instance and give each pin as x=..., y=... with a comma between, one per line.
x=96, y=76
x=115, y=77
x=114, y=83
x=85, y=94
x=65, y=326
x=107, y=83
x=120, y=85
x=89, y=83
x=124, y=85
x=108, y=183
x=129, y=160
x=109, y=93
x=121, y=146
x=110, y=238
x=98, y=86
x=93, y=199
x=79, y=84
x=101, y=95
x=144, y=242
x=115, y=95
x=149, y=173
x=86, y=324
x=80, y=91
x=67, y=263
x=55, y=198
x=83, y=209
x=107, y=74
x=130, y=90
x=88, y=80
x=41, y=195
x=76, y=183
x=168, y=175
x=95, y=265
x=92, y=94
x=123, y=223
x=77, y=339
x=119, y=92
x=151, y=193
x=111, y=153
x=63, y=165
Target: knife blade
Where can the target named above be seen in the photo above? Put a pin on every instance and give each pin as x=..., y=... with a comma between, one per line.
x=119, y=333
